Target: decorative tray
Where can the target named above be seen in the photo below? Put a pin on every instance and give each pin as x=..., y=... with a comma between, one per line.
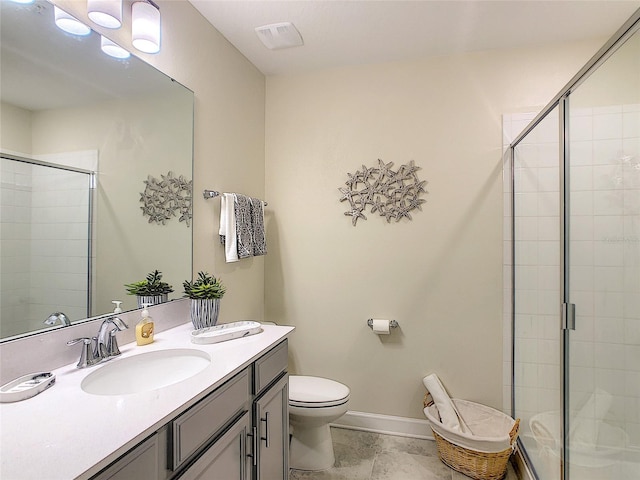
x=225, y=331
x=26, y=386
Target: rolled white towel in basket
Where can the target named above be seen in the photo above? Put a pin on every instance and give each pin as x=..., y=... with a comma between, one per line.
x=449, y=414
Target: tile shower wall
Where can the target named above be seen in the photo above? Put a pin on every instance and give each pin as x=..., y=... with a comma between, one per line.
x=605, y=264
x=44, y=243
x=15, y=231
x=59, y=244
x=605, y=260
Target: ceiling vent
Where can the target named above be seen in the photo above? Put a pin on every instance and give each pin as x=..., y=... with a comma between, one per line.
x=279, y=35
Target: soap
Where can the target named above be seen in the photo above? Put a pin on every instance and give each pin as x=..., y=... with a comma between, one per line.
x=144, y=329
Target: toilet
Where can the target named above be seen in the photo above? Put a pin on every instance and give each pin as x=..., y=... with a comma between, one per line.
x=314, y=402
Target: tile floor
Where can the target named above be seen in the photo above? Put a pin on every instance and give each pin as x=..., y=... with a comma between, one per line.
x=373, y=456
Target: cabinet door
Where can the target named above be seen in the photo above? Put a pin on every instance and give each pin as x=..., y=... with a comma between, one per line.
x=141, y=463
x=227, y=458
x=271, y=412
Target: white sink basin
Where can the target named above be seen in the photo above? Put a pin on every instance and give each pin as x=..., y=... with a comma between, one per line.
x=145, y=372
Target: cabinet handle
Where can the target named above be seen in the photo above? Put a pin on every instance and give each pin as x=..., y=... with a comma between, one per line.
x=266, y=429
x=254, y=445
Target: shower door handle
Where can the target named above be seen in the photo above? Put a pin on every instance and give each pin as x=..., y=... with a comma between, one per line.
x=568, y=316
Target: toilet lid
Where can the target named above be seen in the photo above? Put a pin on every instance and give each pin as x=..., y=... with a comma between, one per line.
x=307, y=391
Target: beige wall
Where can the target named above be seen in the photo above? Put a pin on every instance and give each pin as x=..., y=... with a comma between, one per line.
x=15, y=129
x=150, y=135
x=228, y=137
x=440, y=275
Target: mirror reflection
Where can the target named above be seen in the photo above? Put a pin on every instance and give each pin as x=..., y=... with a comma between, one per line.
x=80, y=134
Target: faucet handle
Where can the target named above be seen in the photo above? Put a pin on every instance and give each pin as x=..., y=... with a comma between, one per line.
x=112, y=344
x=87, y=354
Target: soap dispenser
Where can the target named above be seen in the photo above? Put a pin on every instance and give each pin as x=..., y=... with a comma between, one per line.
x=144, y=329
x=117, y=303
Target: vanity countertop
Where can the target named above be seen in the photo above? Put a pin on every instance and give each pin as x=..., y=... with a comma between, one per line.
x=65, y=433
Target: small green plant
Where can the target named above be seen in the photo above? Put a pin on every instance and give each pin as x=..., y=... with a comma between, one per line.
x=204, y=287
x=152, y=285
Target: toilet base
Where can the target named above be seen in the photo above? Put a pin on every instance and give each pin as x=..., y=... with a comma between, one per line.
x=311, y=448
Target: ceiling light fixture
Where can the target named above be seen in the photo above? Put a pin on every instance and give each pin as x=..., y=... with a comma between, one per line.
x=113, y=49
x=279, y=35
x=145, y=26
x=106, y=13
x=69, y=23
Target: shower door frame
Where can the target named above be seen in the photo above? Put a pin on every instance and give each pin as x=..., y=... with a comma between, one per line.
x=566, y=309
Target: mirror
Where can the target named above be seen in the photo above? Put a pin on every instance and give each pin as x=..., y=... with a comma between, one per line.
x=80, y=133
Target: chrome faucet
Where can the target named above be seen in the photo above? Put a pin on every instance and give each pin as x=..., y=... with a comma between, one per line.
x=101, y=347
x=88, y=353
x=107, y=345
x=57, y=317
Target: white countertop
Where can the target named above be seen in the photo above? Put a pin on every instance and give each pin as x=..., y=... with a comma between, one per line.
x=65, y=433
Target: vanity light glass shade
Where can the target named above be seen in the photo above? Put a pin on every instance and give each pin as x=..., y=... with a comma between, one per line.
x=106, y=13
x=113, y=49
x=69, y=23
x=145, y=27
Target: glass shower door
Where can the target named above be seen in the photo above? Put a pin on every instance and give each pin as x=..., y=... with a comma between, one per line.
x=603, y=269
x=536, y=299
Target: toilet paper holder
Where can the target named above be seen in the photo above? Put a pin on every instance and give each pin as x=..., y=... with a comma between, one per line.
x=392, y=323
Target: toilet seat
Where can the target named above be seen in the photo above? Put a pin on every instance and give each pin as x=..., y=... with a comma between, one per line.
x=316, y=392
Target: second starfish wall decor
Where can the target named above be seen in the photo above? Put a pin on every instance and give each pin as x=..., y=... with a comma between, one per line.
x=168, y=197
x=392, y=194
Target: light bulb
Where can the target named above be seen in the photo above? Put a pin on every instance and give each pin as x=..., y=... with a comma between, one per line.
x=69, y=23
x=113, y=49
x=145, y=27
x=106, y=13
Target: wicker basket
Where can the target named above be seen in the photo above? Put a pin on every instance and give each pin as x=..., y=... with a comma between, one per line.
x=481, y=465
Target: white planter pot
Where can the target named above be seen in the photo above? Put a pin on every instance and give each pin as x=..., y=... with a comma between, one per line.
x=204, y=313
x=152, y=299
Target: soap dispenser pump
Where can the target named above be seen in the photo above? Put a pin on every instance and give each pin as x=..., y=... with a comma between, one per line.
x=117, y=303
x=144, y=329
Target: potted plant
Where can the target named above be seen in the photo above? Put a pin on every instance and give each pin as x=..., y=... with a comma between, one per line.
x=152, y=290
x=205, y=293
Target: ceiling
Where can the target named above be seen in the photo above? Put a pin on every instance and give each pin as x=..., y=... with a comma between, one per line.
x=351, y=32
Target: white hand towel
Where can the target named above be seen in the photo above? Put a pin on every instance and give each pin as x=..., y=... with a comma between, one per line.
x=449, y=415
x=222, y=229
x=228, y=227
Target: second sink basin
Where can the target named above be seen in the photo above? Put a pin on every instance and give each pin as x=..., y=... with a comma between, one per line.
x=145, y=372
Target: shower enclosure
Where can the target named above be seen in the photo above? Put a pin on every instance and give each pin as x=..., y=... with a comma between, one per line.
x=45, y=247
x=574, y=197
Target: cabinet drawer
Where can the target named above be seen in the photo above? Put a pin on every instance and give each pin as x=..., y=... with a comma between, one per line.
x=192, y=429
x=269, y=367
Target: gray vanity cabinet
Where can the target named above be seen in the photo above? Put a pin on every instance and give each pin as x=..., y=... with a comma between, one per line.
x=144, y=462
x=240, y=431
x=271, y=420
x=227, y=458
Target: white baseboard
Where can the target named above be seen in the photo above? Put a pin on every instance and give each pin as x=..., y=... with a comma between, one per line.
x=387, y=424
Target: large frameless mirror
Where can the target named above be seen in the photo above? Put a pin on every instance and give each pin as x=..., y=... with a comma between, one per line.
x=80, y=134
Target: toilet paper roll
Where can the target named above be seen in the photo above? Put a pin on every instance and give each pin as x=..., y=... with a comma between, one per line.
x=380, y=326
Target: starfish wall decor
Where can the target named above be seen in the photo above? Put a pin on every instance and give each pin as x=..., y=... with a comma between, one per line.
x=393, y=194
x=166, y=198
